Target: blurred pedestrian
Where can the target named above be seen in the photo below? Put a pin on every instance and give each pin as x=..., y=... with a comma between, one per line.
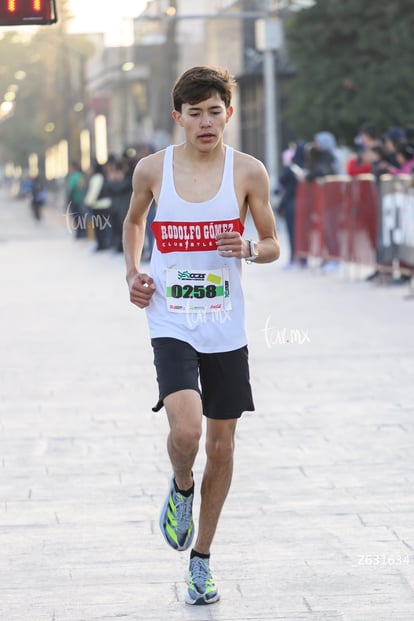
x=131, y=157
x=38, y=200
x=291, y=175
x=98, y=200
x=323, y=162
x=119, y=187
x=75, y=194
x=288, y=153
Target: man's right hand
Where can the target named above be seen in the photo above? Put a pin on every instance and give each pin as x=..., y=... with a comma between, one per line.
x=141, y=289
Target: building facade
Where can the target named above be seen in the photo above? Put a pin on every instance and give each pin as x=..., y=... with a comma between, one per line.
x=169, y=37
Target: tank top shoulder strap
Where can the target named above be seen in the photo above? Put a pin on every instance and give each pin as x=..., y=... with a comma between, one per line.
x=167, y=171
x=167, y=183
x=227, y=181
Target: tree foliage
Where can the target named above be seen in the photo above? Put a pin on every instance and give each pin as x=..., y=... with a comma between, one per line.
x=50, y=60
x=353, y=62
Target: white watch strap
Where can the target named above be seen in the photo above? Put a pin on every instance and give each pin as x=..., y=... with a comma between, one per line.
x=253, y=255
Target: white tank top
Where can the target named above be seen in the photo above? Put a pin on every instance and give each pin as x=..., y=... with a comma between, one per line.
x=198, y=297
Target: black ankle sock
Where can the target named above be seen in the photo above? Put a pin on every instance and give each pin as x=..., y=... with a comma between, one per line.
x=195, y=553
x=184, y=492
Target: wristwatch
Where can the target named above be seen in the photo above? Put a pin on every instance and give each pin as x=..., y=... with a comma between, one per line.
x=254, y=251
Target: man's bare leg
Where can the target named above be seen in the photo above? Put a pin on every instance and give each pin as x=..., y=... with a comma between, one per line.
x=184, y=416
x=184, y=413
x=216, y=480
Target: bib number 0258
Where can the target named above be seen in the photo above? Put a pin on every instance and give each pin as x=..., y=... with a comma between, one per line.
x=194, y=291
x=190, y=290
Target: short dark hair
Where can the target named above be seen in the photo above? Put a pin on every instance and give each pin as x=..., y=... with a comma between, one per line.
x=406, y=150
x=97, y=168
x=370, y=129
x=200, y=83
x=409, y=133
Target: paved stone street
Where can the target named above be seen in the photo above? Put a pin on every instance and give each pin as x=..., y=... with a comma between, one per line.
x=319, y=524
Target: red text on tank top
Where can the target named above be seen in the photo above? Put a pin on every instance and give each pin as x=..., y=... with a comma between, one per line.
x=192, y=236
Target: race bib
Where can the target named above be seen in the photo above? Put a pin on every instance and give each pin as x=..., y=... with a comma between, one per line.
x=198, y=291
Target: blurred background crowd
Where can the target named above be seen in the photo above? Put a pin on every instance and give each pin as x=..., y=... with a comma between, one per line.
x=97, y=202
x=375, y=152
x=324, y=88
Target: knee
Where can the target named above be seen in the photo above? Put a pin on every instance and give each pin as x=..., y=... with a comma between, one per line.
x=220, y=450
x=186, y=439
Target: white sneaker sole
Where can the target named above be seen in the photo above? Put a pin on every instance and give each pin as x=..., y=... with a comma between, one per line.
x=200, y=601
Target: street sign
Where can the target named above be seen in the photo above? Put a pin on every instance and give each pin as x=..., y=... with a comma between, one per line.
x=27, y=12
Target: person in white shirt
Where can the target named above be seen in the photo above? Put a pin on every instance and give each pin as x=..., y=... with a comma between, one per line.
x=203, y=190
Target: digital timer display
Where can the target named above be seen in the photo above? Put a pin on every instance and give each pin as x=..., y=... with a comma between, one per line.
x=27, y=12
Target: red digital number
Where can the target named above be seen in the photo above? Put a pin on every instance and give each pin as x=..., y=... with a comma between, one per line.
x=22, y=12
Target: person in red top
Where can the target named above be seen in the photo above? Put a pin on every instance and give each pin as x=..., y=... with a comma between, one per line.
x=360, y=164
x=356, y=166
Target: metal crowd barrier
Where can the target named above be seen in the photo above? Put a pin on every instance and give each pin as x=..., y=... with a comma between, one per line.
x=358, y=220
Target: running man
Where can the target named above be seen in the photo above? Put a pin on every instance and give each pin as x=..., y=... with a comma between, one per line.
x=203, y=190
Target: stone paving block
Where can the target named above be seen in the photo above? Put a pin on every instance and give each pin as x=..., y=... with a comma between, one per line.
x=320, y=508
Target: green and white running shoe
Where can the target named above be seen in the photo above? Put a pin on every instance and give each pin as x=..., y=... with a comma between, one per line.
x=201, y=587
x=176, y=519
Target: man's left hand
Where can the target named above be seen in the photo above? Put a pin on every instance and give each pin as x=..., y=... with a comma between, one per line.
x=231, y=244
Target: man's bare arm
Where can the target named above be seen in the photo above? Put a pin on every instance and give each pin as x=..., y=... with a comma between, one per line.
x=253, y=178
x=140, y=285
x=258, y=199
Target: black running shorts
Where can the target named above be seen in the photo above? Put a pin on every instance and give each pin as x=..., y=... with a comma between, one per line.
x=222, y=379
